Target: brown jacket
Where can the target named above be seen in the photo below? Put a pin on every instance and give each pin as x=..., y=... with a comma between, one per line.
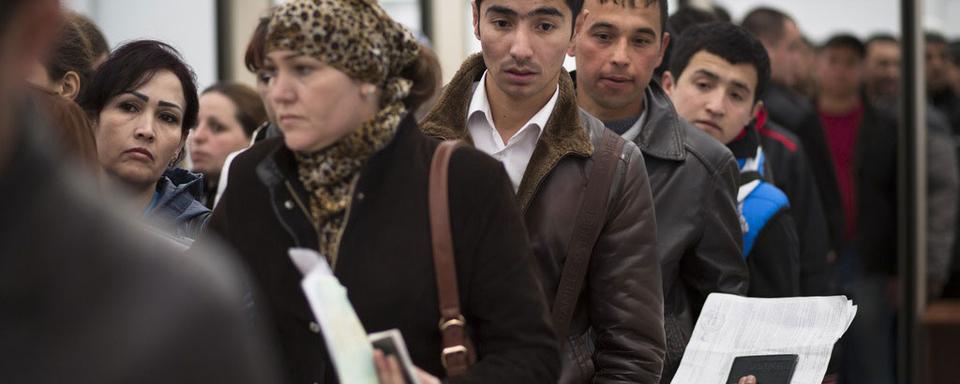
x=617, y=328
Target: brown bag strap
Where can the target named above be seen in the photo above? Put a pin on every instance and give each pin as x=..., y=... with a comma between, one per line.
x=456, y=353
x=586, y=231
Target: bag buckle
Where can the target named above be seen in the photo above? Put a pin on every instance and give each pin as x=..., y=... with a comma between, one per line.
x=450, y=351
x=458, y=321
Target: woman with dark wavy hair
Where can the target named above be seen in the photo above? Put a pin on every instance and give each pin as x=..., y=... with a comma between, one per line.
x=143, y=101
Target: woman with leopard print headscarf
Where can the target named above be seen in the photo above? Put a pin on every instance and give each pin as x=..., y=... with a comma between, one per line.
x=349, y=178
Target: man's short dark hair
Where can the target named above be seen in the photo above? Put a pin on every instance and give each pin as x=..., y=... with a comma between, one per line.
x=722, y=13
x=846, y=41
x=881, y=38
x=686, y=17
x=575, y=7
x=954, y=50
x=134, y=64
x=678, y=22
x=730, y=42
x=766, y=24
x=935, y=38
x=662, y=4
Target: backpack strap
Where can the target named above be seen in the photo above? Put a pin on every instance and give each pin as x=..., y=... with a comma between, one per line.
x=760, y=204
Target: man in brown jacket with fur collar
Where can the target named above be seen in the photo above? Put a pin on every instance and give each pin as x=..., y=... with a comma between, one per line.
x=516, y=103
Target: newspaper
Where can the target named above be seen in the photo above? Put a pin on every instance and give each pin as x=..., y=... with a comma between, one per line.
x=730, y=326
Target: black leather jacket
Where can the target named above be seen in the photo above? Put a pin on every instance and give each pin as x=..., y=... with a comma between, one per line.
x=694, y=183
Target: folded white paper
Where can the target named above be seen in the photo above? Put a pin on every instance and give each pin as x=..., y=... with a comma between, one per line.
x=343, y=333
x=730, y=326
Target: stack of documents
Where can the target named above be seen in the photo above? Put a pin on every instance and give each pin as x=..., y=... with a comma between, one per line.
x=731, y=326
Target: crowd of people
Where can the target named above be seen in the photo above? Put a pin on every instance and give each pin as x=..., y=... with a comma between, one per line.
x=590, y=212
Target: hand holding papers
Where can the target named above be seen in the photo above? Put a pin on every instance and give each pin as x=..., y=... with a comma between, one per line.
x=347, y=342
x=733, y=326
x=345, y=337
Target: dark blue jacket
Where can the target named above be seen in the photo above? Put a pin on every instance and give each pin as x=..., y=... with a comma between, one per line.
x=177, y=203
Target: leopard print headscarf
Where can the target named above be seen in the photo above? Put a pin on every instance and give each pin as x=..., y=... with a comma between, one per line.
x=358, y=38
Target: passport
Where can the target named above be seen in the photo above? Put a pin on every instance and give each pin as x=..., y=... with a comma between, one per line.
x=768, y=369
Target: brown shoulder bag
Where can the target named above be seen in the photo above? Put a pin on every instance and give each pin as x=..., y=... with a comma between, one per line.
x=458, y=352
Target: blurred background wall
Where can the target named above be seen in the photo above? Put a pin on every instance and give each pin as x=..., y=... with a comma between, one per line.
x=212, y=34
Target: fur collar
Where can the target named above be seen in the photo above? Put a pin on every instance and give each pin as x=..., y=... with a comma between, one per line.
x=563, y=136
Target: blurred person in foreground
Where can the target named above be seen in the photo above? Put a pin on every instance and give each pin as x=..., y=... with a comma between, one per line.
x=143, y=100
x=87, y=295
x=76, y=134
x=349, y=179
x=230, y=114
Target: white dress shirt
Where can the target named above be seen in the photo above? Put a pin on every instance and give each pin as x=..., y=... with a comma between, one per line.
x=515, y=153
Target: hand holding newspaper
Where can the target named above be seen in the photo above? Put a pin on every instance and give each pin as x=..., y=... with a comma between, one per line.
x=732, y=326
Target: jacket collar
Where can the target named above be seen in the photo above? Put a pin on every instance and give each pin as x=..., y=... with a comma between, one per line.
x=745, y=146
x=564, y=134
x=179, y=191
x=662, y=135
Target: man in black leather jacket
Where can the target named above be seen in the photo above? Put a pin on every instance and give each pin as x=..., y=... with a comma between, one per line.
x=693, y=177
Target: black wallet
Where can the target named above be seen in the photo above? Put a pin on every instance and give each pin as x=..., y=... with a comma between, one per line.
x=768, y=369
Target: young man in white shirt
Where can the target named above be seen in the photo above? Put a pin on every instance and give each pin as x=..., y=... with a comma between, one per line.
x=517, y=103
